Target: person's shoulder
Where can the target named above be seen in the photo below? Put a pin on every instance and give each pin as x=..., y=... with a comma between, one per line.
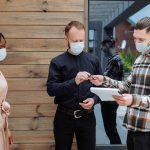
x=59, y=57
x=117, y=57
x=138, y=59
x=90, y=56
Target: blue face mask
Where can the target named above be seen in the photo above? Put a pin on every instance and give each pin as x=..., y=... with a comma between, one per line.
x=142, y=47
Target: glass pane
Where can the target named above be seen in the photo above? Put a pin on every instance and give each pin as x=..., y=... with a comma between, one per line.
x=91, y=34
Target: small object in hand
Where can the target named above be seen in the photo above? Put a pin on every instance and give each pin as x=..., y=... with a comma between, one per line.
x=85, y=102
x=89, y=75
x=93, y=78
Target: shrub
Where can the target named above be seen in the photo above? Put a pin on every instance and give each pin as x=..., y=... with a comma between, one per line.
x=128, y=59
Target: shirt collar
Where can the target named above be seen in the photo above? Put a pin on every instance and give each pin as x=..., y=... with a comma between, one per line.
x=147, y=53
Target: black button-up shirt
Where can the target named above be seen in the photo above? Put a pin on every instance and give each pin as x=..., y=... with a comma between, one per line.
x=61, y=79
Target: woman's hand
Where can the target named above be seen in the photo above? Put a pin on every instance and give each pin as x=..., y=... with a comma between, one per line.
x=10, y=138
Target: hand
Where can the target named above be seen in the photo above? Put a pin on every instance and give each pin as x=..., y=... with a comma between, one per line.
x=81, y=76
x=96, y=79
x=87, y=104
x=10, y=138
x=125, y=99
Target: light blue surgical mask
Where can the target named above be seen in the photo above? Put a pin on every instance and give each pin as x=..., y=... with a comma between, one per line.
x=3, y=54
x=142, y=47
x=76, y=48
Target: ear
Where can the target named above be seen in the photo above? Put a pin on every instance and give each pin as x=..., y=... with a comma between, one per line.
x=107, y=45
x=65, y=37
x=66, y=41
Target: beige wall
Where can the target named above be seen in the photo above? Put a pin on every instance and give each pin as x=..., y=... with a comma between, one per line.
x=34, y=32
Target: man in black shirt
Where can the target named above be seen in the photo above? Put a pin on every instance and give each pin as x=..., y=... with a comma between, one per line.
x=114, y=70
x=68, y=82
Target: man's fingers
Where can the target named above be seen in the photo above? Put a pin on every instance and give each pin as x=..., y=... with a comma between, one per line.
x=83, y=77
x=86, y=101
x=87, y=73
x=86, y=105
x=118, y=97
x=119, y=100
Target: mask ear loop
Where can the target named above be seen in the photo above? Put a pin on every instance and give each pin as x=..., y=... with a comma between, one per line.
x=148, y=43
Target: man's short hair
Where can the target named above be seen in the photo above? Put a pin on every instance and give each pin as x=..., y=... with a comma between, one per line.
x=75, y=24
x=144, y=23
x=109, y=42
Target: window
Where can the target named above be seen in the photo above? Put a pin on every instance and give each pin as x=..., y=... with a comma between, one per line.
x=91, y=40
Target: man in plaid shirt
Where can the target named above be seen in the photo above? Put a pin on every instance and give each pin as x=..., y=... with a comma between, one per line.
x=136, y=90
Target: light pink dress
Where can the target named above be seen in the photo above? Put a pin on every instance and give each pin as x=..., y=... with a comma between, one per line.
x=4, y=112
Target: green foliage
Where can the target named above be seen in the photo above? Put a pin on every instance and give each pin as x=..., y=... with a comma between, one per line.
x=128, y=59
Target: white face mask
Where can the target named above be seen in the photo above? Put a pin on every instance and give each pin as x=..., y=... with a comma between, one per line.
x=142, y=47
x=76, y=48
x=3, y=54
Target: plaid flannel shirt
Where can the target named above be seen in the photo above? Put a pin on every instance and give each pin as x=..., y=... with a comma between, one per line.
x=137, y=117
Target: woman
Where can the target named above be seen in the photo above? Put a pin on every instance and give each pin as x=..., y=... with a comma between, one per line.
x=5, y=136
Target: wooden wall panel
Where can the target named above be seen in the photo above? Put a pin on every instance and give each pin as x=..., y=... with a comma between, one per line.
x=42, y=5
x=38, y=146
x=18, y=58
x=33, y=136
x=34, y=123
x=25, y=71
x=33, y=110
x=36, y=18
x=37, y=45
x=34, y=31
x=27, y=84
x=41, y=146
x=28, y=97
